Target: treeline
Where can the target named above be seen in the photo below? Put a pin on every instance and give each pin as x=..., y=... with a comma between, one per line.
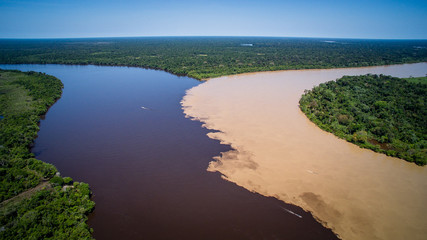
x=58, y=209
x=207, y=57
x=382, y=113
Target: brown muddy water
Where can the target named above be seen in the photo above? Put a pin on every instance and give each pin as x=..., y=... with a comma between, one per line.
x=122, y=130
x=276, y=151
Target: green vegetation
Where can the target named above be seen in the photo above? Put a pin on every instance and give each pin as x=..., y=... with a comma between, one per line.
x=422, y=80
x=23, y=98
x=382, y=113
x=207, y=57
x=35, y=203
x=52, y=213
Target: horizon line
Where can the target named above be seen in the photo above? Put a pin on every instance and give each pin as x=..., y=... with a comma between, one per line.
x=202, y=36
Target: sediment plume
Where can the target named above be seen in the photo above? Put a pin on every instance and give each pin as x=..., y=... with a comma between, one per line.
x=278, y=152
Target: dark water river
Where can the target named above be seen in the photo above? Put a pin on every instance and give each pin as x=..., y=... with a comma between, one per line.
x=122, y=130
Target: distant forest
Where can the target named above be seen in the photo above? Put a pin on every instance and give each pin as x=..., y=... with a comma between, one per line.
x=207, y=57
x=382, y=113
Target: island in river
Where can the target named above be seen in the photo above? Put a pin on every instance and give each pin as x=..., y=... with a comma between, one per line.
x=378, y=112
x=277, y=151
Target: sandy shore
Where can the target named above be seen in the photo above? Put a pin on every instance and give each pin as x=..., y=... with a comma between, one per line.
x=357, y=193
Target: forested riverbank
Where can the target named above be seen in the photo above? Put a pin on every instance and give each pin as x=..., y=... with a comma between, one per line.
x=36, y=203
x=377, y=112
x=208, y=57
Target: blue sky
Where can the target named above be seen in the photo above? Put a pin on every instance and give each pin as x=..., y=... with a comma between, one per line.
x=384, y=19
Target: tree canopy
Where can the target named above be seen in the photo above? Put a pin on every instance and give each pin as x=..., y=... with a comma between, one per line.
x=207, y=57
x=382, y=113
x=35, y=202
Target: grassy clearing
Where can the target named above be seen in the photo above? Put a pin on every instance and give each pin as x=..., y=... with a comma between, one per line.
x=14, y=99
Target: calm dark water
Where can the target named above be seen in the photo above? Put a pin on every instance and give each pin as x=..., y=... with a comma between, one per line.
x=147, y=167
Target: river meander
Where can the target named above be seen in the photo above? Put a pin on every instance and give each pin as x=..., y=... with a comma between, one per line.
x=122, y=130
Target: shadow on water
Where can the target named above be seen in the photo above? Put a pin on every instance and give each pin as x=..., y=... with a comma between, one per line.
x=122, y=131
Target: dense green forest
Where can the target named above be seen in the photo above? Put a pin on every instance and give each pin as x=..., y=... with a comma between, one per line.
x=36, y=203
x=207, y=57
x=378, y=112
x=417, y=79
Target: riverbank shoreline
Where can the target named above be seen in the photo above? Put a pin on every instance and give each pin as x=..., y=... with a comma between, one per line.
x=337, y=181
x=207, y=79
x=307, y=69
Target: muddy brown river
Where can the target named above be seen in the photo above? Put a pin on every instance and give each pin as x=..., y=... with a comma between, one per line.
x=276, y=151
